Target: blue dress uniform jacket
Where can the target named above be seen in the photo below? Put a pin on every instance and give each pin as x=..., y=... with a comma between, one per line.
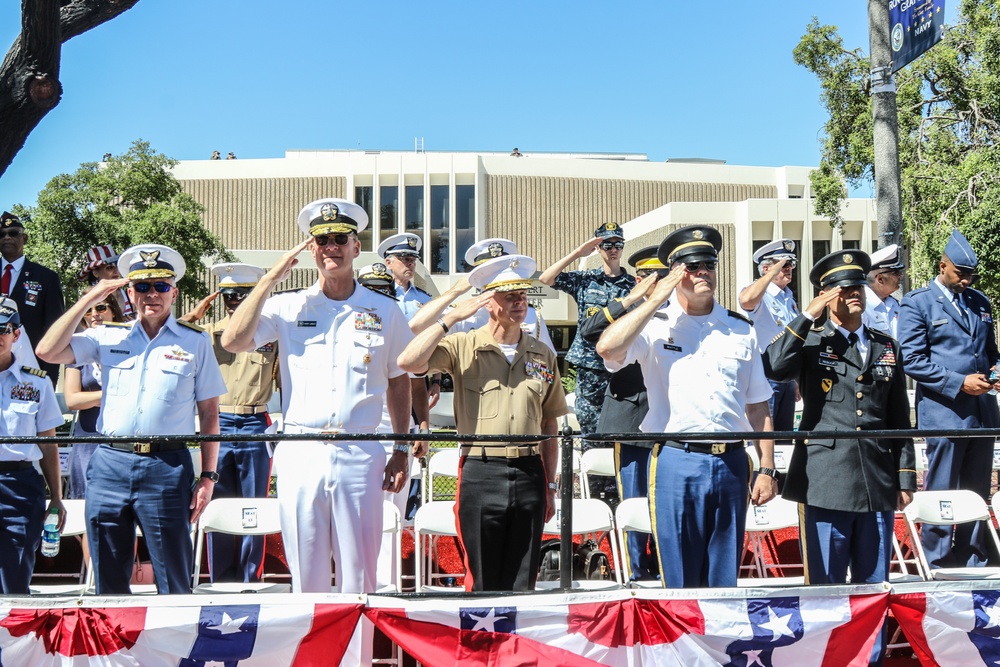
x=939, y=350
x=39, y=297
x=852, y=475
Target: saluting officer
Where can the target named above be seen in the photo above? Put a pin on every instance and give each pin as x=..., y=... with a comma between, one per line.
x=155, y=373
x=703, y=374
x=29, y=407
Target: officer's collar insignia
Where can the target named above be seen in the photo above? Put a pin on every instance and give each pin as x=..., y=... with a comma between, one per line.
x=496, y=249
x=827, y=385
x=698, y=234
x=149, y=259
x=329, y=212
x=848, y=258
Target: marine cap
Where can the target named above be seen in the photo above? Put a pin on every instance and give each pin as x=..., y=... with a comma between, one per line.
x=235, y=277
x=401, y=244
x=332, y=216
x=697, y=243
x=610, y=230
x=646, y=259
x=960, y=252
x=10, y=220
x=887, y=259
x=488, y=249
x=842, y=268
x=775, y=251
x=151, y=260
x=504, y=274
x=8, y=312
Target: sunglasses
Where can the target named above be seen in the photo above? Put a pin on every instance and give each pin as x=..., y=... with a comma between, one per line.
x=235, y=296
x=143, y=288
x=642, y=273
x=100, y=308
x=692, y=267
x=7, y=329
x=789, y=264
x=339, y=239
x=11, y=233
x=608, y=245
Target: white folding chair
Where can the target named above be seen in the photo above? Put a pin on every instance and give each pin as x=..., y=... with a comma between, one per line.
x=75, y=526
x=782, y=457
x=597, y=462
x=632, y=516
x=949, y=508
x=236, y=516
x=392, y=529
x=776, y=514
x=591, y=517
x=443, y=463
x=433, y=520
x=920, y=450
x=903, y=558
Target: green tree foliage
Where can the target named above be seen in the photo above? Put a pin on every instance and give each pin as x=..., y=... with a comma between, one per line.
x=131, y=199
x=949, y=127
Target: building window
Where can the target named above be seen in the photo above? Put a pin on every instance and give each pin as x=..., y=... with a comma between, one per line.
x=389, y=205
x=852, y=244
x=465, y=221
x=363, y=195
x=439, y=260
x=415, y=209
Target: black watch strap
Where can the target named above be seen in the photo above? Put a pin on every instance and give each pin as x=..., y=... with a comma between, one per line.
x=770, y=472
x=210, y=474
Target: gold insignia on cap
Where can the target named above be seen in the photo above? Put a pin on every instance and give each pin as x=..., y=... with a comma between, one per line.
x=378, y=268
x=412, y=241
x=827, y=385
x=8, y=222
x=229, y=269
x=611, y=226
x=698, y=235
x=329, y=212
x=788, y=246
x=495, y=249
x=149, y=259
x=848, y=258
x=514, y=263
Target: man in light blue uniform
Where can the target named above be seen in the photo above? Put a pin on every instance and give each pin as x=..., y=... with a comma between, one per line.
x=401, y=253
x=28, y=405
x=771, y=306
x=157, y=372
x=703, y=374
x=949, y=348
x=881, y=307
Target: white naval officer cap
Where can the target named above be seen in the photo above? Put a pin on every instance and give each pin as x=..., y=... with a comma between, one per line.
x=400, y=244
x=332, y=216
x=233, y=275
x=488, y=249
x=151, y=260
x=775, y=250
x=504, y=274
x=887, y=259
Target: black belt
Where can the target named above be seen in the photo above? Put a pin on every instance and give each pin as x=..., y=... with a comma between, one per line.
x=149, y=447
x=11, y=466
x=716, y=448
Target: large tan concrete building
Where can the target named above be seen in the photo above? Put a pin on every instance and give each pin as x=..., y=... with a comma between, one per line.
x=548, y=203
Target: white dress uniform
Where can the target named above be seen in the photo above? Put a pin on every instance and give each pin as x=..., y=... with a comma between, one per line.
x=881, y=315
x=336, y=360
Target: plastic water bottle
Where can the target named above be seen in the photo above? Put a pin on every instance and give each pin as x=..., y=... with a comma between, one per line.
x=50, y=534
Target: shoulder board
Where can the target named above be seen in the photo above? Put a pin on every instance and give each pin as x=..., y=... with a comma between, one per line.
x=379, y=292
x=878, y=335
x=31, y=370
x=425, y=292
x=780, y=334
x=190, y=325
x=740, y=316
x=116, y=324
x=918, y=290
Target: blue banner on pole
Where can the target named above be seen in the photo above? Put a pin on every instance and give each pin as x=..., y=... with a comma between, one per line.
x=914, y=27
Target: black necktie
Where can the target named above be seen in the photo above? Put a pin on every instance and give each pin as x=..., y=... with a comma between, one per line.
x=853, y=353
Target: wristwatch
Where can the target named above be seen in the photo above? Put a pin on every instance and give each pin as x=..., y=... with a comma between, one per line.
x=770, y=472
x=210, y=474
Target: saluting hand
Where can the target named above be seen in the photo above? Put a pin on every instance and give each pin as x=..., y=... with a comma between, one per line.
x=104, y=289
x=199, y=312
x=470, y=307
x=588, y=247
x=775, y=269
x=283, y=268
x=818, y=305
x=666, y=285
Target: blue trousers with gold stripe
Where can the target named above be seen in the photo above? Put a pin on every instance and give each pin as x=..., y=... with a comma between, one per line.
x=698, y=505
x=632, y=465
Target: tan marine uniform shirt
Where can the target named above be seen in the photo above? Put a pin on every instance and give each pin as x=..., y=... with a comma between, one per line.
x=249, y=376
x=493, y=396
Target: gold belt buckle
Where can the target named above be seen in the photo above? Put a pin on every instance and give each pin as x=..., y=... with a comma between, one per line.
x=719, y=448
x=512, y=452
x=142, y=447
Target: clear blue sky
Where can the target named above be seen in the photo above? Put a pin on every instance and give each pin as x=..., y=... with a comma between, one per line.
x=257, y=77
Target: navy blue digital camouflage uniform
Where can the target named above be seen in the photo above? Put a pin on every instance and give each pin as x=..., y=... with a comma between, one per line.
x=592, y=290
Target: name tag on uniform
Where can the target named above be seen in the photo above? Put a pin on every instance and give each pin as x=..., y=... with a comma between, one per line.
x=672, y=348
x=828, y=362
x=937, y=323
x=306, y=323
x=114, y=351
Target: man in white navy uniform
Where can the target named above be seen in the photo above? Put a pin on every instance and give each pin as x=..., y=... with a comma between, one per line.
x=881, y=307
x=29, y=407
x=703, y=374
x=337, y=345
x=771, y=305
x=156, y=372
